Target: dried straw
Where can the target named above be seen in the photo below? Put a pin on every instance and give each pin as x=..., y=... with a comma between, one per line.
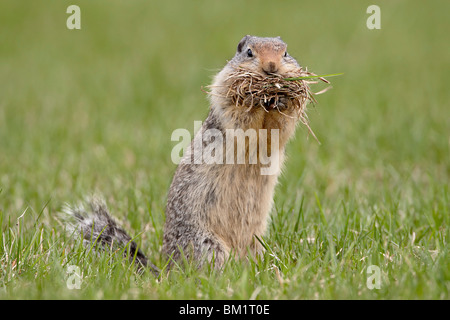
x=254, y=90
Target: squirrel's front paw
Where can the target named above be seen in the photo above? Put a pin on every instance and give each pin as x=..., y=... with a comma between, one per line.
x=282, y=103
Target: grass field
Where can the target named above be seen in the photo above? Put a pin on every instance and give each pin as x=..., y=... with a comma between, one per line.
x=93, y=110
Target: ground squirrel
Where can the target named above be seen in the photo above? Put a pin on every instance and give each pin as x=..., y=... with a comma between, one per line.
x=217, y=210
x=214, y=210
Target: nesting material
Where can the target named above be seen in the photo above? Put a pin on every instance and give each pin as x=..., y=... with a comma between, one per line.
x=255, y=90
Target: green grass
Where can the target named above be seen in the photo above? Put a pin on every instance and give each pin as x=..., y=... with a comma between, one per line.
x=94, y=109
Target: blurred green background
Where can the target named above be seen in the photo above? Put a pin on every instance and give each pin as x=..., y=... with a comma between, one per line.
x=93, y=109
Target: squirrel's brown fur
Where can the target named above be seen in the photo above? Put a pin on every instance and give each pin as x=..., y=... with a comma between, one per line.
x=215, y=210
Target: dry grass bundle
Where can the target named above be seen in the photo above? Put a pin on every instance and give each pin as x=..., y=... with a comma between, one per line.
x=255, y=90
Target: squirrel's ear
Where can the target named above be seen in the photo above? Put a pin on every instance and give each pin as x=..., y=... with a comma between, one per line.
x=241, y=43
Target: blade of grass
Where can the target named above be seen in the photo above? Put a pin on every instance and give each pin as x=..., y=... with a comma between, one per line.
x=314, y=77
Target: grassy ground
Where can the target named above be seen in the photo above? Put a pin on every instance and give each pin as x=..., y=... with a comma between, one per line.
x=93, y=110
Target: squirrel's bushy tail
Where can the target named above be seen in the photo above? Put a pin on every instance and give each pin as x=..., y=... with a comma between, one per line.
x=93, y=221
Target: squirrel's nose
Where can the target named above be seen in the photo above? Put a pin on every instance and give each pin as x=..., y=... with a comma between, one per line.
x=270, y=67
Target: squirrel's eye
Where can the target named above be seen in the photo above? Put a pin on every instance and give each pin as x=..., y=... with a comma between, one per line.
x=285, y=53
x=249, y=53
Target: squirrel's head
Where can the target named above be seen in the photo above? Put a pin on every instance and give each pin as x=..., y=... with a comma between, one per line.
x=264, y=55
